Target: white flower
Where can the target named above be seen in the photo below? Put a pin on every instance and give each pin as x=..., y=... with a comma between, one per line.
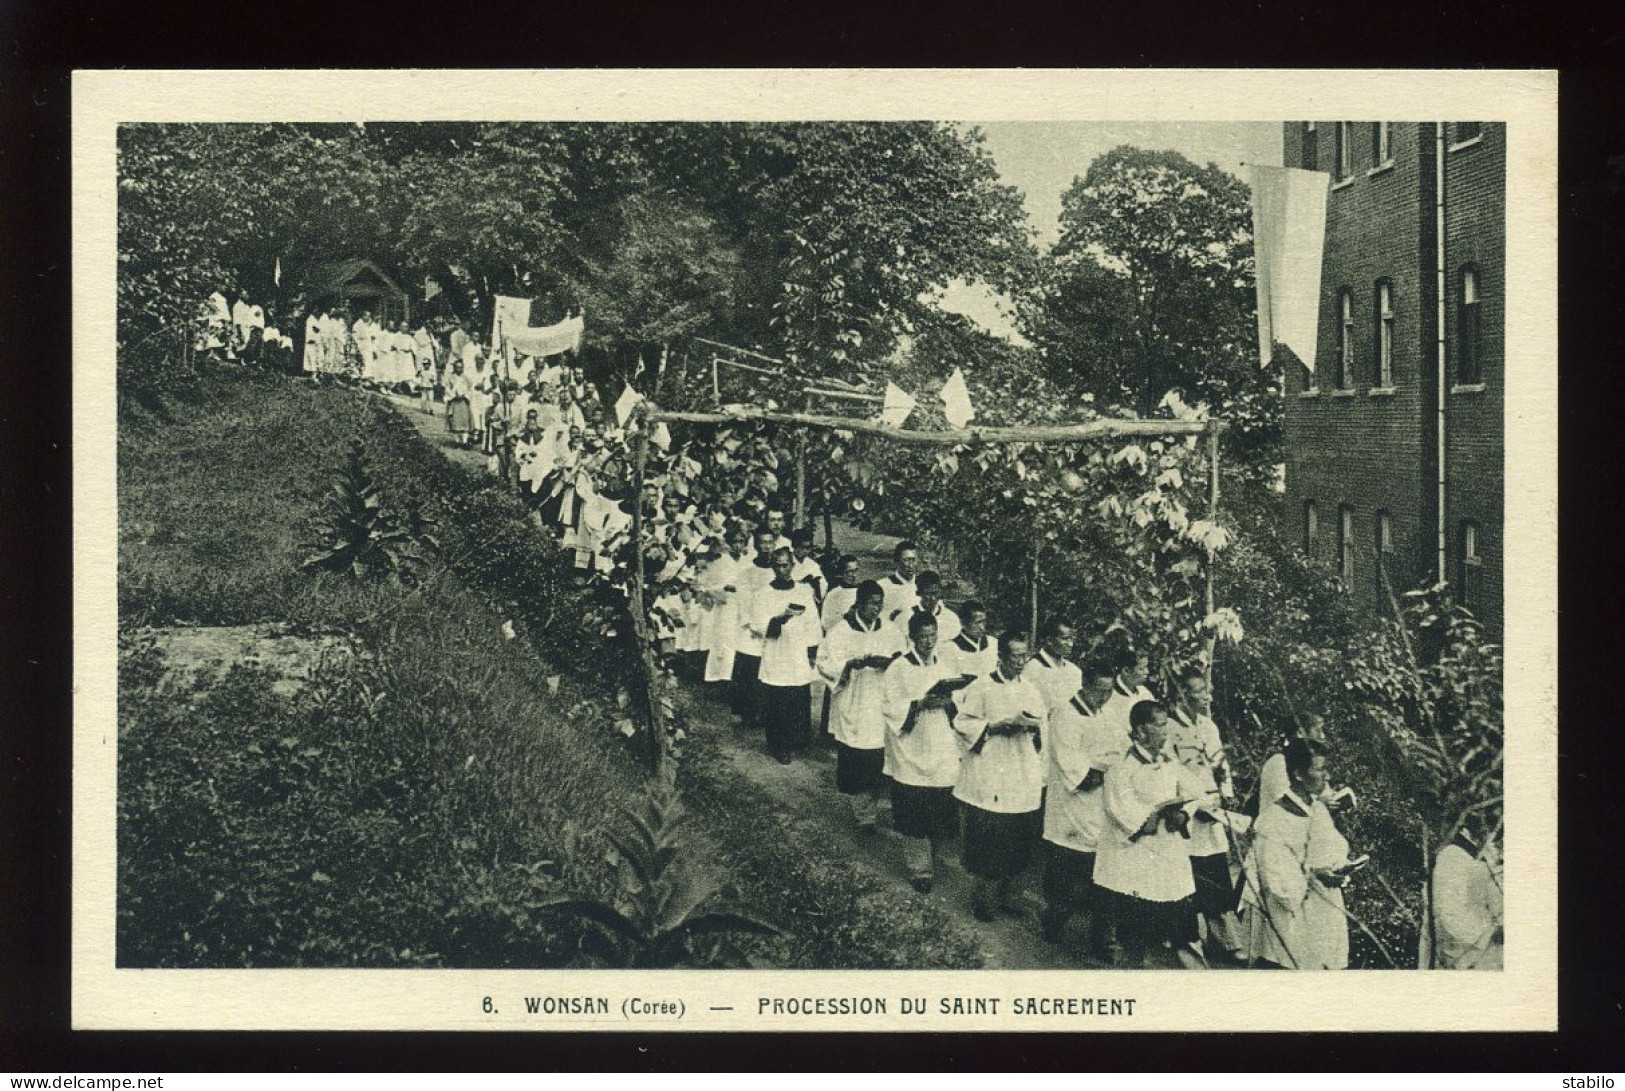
x=1225, y=624
x=1132, y=455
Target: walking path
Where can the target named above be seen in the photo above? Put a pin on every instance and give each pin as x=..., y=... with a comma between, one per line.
x=806, y=788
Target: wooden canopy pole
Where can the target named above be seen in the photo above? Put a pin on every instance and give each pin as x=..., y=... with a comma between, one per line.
x=655, y=727
x=1213, y=514
x=1050, y=433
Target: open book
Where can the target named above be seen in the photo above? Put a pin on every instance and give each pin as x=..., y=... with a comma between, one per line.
x=949, y=686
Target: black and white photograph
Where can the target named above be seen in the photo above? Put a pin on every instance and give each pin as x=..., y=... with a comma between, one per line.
x=1068, y=552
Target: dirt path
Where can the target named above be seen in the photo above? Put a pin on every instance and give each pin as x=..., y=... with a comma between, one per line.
x=806, y=788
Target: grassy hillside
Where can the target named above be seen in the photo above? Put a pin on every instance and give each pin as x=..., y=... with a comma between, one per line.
x=433, y=782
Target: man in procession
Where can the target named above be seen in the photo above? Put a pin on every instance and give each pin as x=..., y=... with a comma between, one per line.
x=972, y=652
x=785, y=619
x=928, y=592
x=1194, y=740
x=1083, y=745
x=923, y=751
x=1001, y=718
x=852, y=661
x=901, y=595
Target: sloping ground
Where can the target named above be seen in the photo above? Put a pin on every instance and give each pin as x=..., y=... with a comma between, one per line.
x=190, y=650
x=802, y=797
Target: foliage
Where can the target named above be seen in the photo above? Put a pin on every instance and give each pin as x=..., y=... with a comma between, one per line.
x=664, y=890
x=1150, y=289
x=363, y=538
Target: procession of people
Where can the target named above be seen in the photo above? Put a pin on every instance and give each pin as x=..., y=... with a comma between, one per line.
x=1030, y=756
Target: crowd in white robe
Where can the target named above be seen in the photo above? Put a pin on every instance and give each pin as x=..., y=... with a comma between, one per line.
x=1010, y=749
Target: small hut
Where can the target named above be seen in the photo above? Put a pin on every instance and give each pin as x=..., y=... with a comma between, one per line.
x=361, y=285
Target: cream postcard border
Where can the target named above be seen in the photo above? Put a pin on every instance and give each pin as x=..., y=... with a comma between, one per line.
x=1522, y=997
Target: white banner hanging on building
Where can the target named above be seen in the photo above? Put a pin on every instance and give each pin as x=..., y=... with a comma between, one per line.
x=1289, y=237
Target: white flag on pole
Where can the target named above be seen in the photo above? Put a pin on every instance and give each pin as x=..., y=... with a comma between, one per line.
x=897, y=406
x=509, y=316
x=625, y=404
x=956, y=404
x=1289, y=237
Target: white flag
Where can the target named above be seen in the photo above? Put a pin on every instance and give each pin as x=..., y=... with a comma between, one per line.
x=276, y=272
x=625, y=404
x=897, y=406
x=661, y=436
x=1289, y=237
x=956, y=404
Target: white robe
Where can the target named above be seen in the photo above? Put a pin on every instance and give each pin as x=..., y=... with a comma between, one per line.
x=784, y=656
x=965, y=657
x=1467, y=909
x=857, y=715
x=948, y=625
x=1197, y=745
x=1006, y=774
x=1080, y=740
x=1153, y=867
x=837, y=603
x=901, y=597
x=929, y=755
x=1290, y=917
x=719, y=622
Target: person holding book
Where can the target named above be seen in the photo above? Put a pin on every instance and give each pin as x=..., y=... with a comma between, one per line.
x=1194, y=740
x=785, y=619
x=1001, y=718
x=1083, y=744
x=1293, y=879
x=852, y=661
x=1142, y=866
x=923, y=752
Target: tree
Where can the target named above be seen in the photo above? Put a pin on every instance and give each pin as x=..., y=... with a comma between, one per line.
x=1150, y=289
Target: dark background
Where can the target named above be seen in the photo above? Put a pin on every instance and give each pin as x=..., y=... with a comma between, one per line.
x=40, y=42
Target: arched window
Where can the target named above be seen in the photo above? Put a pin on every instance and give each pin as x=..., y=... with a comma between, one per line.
x=1311, y=527
x=1469, y=363
x=1345, y=339
x=1385, y=558
x=1383, y=309
x=1345, y=545
x=1470, y=576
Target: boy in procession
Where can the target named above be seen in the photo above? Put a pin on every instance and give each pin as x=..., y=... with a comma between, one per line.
x=748, y=647
x=901, y=596
x=844, y=594
x=1142, y=865
x=785, y=618
x=972, y=652
x=1083, y=745
x=928, y=600
x=1194, y=739
x=923, y=751
x=852, y=661
x=1001, y=781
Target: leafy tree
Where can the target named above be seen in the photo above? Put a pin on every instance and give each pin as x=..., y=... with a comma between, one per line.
x=1150, y=289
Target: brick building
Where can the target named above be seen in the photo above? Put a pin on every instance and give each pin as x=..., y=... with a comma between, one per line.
x=1363, y=480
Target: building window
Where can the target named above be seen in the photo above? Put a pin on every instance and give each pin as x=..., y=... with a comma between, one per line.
x=1345, y=545
x=1311, y=527
x=1469, y=580
x=1382, y=147
x=1385, y=562
x=1345, y=339
x=1463, y=131
x=1345, y=149
x=1311, y=158
x=1469, y=364
x=1384, y=310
